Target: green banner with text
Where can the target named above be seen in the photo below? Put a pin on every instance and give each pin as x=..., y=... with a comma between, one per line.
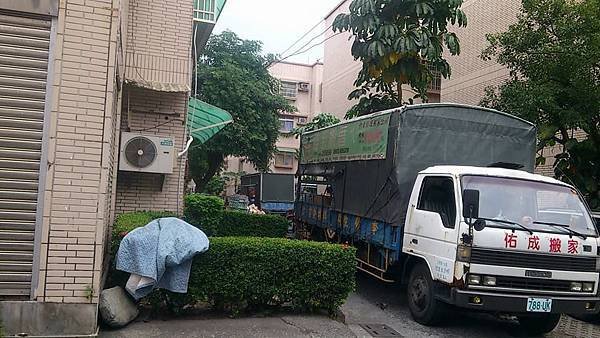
x=363, y=139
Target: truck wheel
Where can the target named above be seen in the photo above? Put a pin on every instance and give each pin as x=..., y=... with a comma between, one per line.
x=424, y=308
x=539, y=324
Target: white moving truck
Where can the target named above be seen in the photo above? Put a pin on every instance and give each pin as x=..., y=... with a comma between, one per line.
x=431, y=196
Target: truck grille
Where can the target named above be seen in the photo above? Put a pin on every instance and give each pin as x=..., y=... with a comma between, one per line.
x=533, y=284
x=533, y=261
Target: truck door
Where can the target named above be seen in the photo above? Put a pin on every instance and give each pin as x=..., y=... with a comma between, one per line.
x=431, y=224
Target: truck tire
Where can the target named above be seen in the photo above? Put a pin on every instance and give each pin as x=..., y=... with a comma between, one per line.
x=423, y=306
x=538, y=324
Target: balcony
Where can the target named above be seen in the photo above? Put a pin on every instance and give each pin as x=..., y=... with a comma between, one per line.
x=205, y=16
x=435, y=86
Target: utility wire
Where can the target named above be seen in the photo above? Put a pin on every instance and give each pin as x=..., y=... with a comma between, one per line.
x=301, y=49
x=308, y=42
x=298, y=52
x=302, y=37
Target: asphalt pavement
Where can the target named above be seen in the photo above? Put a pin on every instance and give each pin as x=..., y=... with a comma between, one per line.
x=380, y=303
x=277, y=326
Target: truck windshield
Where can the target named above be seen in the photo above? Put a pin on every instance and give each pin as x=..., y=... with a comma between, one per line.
x=537, y=205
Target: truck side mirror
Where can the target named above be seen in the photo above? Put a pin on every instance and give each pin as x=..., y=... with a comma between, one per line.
x=470, y=203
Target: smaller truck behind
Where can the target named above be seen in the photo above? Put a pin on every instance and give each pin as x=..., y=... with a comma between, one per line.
x=272, y=193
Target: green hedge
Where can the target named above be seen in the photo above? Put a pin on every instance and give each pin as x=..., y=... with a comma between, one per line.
x=207, y=213
x=238, y=223
x=253, y=272
x=203, y=211
x=240, y=272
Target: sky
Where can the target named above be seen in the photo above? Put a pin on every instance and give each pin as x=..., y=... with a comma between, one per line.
x=278, y=24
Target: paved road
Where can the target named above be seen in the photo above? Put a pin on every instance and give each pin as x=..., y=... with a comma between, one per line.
x=271, y=327
x=365, y=306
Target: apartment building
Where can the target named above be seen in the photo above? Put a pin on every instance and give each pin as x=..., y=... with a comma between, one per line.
x=340, y=69
x=470, y=74
x=79, y=80
x=301, y=84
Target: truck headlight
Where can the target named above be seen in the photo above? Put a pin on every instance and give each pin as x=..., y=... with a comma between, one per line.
x=587, y=287
x=474, y=279
x=463, y=253
x=576, y=286
x=489, y=281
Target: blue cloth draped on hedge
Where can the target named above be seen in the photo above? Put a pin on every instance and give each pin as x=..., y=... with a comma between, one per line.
x=159, y=255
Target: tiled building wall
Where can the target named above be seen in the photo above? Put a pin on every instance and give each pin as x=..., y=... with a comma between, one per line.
x=76, y=212
x=159, y=41
x=154, y=113
x=471, y=74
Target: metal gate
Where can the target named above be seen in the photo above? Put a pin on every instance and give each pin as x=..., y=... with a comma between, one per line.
x=24, y=49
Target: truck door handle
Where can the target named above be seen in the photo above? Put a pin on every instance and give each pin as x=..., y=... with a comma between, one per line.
x=414, y=241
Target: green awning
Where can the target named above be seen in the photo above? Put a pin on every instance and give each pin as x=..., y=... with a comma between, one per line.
x=286, y=150
x=205, y=120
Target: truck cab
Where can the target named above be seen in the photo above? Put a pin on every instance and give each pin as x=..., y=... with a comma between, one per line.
x=499, y=240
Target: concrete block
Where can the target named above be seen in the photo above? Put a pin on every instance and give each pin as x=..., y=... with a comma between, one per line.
x=116, y=308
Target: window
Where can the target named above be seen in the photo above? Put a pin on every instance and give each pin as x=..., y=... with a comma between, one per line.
x=436, y=82
x=205, y=10
x=437, y=195
x=284, y=160
x=288, y=89
x=531, y=203
x=286, y=126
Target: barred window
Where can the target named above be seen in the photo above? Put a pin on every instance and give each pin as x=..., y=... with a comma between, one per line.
x=288, y=89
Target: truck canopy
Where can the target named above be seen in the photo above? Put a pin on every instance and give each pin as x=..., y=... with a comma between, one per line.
x=270, y=187
x=371, y=163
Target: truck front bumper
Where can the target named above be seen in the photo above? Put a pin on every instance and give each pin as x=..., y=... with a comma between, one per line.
x=511, y=303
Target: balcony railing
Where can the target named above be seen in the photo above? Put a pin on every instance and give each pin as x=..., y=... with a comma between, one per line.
x=205, y=11
x=205, y=15
x=435, y=86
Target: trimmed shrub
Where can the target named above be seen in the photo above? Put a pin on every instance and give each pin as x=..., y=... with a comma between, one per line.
x=238, y=223
x=240, y=272
x=207, y=213
x=203, y=211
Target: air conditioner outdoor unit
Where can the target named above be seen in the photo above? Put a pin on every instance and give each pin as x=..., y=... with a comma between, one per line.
x=146, y=153
x=303, y=87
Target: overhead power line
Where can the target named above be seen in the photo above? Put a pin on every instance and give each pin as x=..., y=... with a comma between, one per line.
x=302, y=37
x=308, y=42
x=302, y=51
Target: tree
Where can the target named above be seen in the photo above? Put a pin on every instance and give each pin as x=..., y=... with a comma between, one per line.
x=216, y=185
x=232, y=74
x=397, y=42
x=320, y=121
x=553, y=54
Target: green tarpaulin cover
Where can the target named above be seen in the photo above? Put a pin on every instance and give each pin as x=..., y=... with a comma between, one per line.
x=205, y=120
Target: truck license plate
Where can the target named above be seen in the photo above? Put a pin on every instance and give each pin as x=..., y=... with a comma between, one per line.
x=539, y=304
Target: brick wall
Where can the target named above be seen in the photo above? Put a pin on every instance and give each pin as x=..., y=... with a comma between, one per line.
x=81, y=154
x=159, y=41
x=159, y=38
x=155, y=113
x=470, y=74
